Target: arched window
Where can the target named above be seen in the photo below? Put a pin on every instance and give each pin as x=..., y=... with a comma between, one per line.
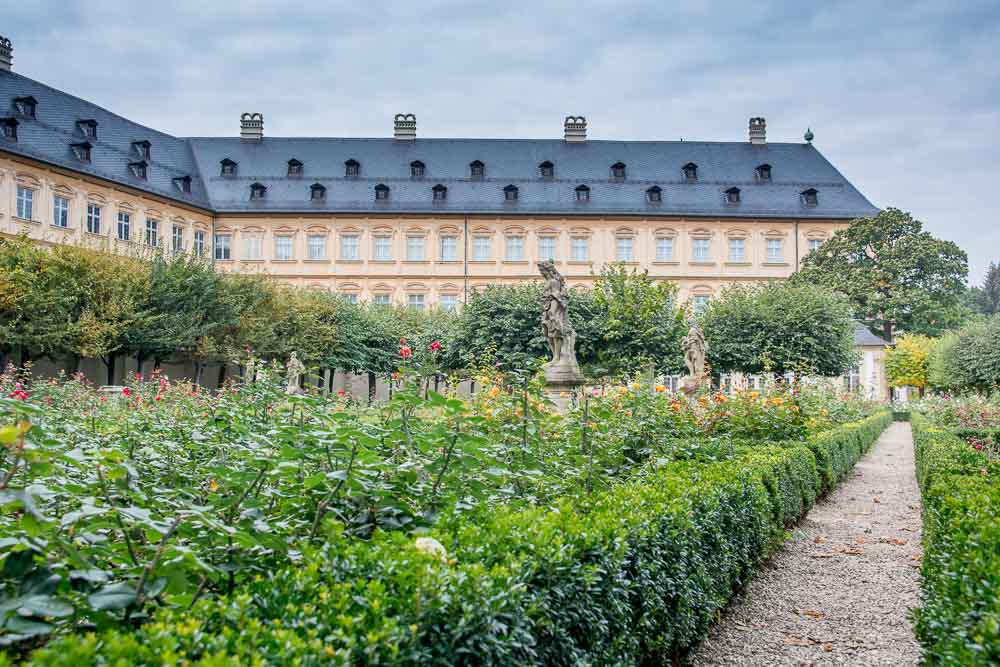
x=764, y=173
x=654, y=195
x=733, y=196
x=618, y=171
x=381, y=192
x=352, y=168
x=690, y=172
x=477, y=169
x=294, y=167
x=582, y=193
x=510, y=193
x=810, y=197
x=257, y=191
x=227, y=167
x=440, y=192
x=417, y=169
x=317, y=192
x=547, y=170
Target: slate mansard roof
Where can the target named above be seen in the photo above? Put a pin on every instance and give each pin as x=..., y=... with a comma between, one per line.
x=795, y=168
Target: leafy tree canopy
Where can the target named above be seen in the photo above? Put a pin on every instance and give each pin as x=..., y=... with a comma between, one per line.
x=906, y=364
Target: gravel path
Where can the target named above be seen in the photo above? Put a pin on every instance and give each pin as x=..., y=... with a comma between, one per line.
x=839, y=590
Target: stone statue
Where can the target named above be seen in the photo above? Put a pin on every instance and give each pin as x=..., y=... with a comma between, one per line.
x=251, y=366
x=563, y=369
x=294, y=371
x=695, y=348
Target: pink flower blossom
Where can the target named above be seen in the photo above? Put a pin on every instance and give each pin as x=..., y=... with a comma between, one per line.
x=435, y=346
x=405, y=352
x=126, y=392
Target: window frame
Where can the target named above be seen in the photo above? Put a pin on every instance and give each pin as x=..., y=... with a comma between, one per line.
x=575, y=243
x=442, y=241
x=284, y=242
x=93, y=218
x=698, y=243
x=152, y=235
x=415, y=242
x=312, y=245
x=377, y=245
x=124, y=228
x=480, y=242
x=25, y=209
x=350, y=247
x=222, y=247
x=60, y=214
x=177, y=237
x=623, y=243
x=661, y=243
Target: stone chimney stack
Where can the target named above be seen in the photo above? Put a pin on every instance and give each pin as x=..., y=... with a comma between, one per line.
x=575, y=129
x=251, y=127
x=405, y=127
x=758, y=131
x=6, y=55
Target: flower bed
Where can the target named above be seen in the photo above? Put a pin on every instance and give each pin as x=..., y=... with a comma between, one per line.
x=635, y=573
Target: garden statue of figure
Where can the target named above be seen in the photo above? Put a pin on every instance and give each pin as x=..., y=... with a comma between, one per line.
x=563, y=369
x=294, y=371
x=251, y=365
x=695, y=348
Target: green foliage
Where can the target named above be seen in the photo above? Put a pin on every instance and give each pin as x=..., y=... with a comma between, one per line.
x=896, y=275
x=779, y=327
x=968, y=359
x=958, y=622
x=906, y=363
x=987, y=297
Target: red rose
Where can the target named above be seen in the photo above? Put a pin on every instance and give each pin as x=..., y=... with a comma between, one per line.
x=435, y=346
x=126, y=392
x=341, y=393
x=405, y=352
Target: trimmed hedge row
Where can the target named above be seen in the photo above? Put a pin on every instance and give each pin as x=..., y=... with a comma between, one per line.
x=631, y=576
x=959, y=621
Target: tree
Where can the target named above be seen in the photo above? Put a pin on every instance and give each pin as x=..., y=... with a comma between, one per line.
x=897, y=276
x=940, y=373
x=906, y=364
x=779, y=327
x=969, y=359
x=988, y=296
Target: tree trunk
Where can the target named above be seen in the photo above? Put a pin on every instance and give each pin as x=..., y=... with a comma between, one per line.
x=199, y=370
x=3, y=361
x=887, y=331
x=140, y=359
x=372, y=387
x=109, y=363
x=157, y=362
x=25, y=357
x=222, y=374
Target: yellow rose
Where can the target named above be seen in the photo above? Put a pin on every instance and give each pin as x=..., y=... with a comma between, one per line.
x=660, y=389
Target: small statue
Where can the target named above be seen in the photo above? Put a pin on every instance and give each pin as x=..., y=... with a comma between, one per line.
x=557, y=328
x=695, y=348
x=294, y=371
x=251, y=365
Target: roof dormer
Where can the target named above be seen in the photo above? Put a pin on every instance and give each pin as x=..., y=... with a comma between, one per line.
x=143, y=149
x=763, y=173
x=690, y=172
x=227, y=167
x=257, y=191
x=9, y=126
x=138, y=169
x=317, y=192
x=182, y=183
x=87, y=128
x=352, y=168
x=26, y=106
x=81, y=150
x=295, y=168
x=810, y=197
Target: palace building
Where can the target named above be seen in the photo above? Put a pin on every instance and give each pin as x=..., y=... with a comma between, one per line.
x=412, y=220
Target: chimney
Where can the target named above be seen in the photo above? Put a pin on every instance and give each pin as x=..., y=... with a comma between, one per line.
x=6, y=55
x=575, y=129
x=758, y=131
x=251, y=127
x=405, y=127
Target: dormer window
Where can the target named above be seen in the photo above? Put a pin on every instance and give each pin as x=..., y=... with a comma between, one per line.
x=352, y=168
x=317, y=192
x=510, y=193
x=9, y=128
x=381, y=192
x=228, y=167
x=477, y=169
x=810, y=197
x=88, y=128
x=618, y=171
x=294, y=168
x=582, y=193
x=654, y=195
x=417, y=169
x=81, y=151
x=547, y=170
x=183, y=183
x=733, y=196
x=440, y=192
x=138, y=169
x=764, y=173
x=690, y=172
x=26, y=106
x=257, y=191
x=142, y=149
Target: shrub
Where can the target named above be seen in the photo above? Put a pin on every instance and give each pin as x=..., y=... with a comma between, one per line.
x=959, y=620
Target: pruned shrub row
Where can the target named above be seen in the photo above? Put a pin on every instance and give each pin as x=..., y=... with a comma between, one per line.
x=634, y=575
x=959, y=620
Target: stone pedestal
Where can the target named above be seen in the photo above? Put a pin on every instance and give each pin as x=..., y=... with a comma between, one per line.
x=690, y=385
x=563, y=383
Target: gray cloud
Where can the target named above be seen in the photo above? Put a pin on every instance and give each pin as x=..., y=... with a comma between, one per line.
x=903, y=97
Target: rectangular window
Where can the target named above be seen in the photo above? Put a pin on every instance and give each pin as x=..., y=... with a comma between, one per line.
x=546, y=248
x=415, y=301
x=415, y=250
x=350, y=297
x=382, y=299
x=700, y=250
x=152, y=232
x=449, y=302
x=699, y=302
x=253, y=247
x=623, y=249
x=93, y=218
x=449, y=248
x=737, y=250
x=774, y=253
x=814, y=244
x=25, y=202
x=60, y=211
x=515, y=248
x=664, y=250
x=199, y=244
x=581, y=248
x=481, y=250
x=383, y=248
x=177, y=238
x=349, y=246
x=223, y=247
x=283, y=248
x=124, y=226
x=317, y=246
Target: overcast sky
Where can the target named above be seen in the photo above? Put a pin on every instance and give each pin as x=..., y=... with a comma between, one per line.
x=903, y=97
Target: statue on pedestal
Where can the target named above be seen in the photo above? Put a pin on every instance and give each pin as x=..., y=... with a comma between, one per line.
x=293, y=370
x=563, y=369
x=695, y=348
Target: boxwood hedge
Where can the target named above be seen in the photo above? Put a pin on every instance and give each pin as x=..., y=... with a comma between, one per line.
x=634, y=575
x=959, y=620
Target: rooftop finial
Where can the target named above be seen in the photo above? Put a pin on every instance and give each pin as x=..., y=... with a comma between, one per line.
x=251, y=126
x=6, y=55
x=758, y=131
x=808, y=136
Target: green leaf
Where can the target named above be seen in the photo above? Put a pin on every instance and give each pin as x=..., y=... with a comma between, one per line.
x=114, y=596
x=44, y=605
